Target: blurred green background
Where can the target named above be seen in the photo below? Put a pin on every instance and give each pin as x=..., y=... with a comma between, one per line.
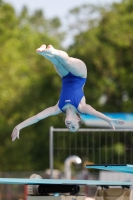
x=29, y=84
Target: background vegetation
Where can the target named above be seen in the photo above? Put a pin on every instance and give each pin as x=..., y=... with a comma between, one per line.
x=29, y=84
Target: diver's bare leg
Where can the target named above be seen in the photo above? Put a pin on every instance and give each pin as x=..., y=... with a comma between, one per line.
x=73, y=65
x=57, y=64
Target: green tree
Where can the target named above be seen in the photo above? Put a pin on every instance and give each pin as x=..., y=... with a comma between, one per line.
x=27, y=82
x=106, y=48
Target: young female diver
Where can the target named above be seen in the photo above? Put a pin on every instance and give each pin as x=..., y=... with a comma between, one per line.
x=72, y=100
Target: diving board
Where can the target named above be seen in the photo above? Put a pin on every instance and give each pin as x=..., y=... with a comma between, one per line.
x=126, y=168
x=44, y=187
x=30, y=181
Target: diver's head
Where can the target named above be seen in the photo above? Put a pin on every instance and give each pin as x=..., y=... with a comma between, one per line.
x=73, y=123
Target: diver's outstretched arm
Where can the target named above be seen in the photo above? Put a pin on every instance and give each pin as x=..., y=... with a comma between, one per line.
x=87, y=109
x=54, y=110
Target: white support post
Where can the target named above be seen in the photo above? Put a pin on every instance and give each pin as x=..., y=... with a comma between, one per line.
x=51, y=152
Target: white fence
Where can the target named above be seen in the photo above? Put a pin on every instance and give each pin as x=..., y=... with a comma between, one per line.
x=100, y=146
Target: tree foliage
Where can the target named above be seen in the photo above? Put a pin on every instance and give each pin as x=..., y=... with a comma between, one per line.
x=106, y=48
x=29, y=83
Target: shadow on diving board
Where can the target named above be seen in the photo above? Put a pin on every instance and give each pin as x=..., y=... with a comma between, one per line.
x=126, y=168
x=24, y=181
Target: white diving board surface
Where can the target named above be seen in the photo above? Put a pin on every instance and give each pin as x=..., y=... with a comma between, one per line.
x=62, y=182
x=126, y=168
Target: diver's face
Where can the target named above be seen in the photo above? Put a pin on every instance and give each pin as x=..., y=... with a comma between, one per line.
x=72, y=124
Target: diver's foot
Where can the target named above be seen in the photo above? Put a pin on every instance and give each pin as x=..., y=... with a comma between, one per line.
x=50, y=50
x=41, y=49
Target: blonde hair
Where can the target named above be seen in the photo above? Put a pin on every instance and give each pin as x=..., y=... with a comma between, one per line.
x=80, y=122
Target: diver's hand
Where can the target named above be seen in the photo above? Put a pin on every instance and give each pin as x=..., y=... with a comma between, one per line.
x=15, y=134
x=114, y=122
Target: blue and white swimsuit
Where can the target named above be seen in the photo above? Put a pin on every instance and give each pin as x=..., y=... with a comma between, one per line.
x=71, y=91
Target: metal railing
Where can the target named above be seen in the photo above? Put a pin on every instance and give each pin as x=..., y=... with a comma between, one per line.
x=97, y=145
